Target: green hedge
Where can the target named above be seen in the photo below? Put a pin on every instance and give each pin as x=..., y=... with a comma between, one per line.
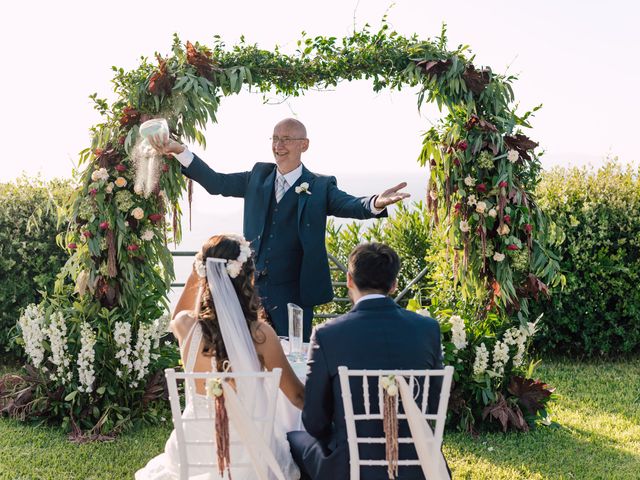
x=598, y=312
x=29, y=256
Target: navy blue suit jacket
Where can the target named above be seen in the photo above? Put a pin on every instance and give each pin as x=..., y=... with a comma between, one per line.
x=375, y=334
x=256, y=187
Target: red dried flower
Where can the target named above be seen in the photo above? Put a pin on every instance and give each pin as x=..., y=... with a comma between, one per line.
x=165, y=167
x=130, y=116
x=527, y=227
x=87, y=234
x=201, y=59
x=507, y=219
x=512, y=247
x=120, y=167
x=435, y=67
x=133, y=247
x=161, y=82
x=481, y=187
x=472, y=122
x=462, y=145
x=108, y=157
x=155, y=217
x=121, y=140
x=72, y=246
x=476, y=80
x=457, y=207
x=93, y=192
x=503, y=184
x=104, y=225
x=521, y=143
x=456, y=162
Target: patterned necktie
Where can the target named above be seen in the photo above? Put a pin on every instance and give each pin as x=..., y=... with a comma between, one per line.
x=281, y=188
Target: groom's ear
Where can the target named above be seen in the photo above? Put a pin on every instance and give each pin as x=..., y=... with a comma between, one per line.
x=394, y=287
x=350, y=283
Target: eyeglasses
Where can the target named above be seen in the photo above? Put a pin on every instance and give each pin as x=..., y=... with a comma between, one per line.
x=284, y=140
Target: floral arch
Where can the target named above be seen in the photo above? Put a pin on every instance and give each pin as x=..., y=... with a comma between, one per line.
x=101, y=330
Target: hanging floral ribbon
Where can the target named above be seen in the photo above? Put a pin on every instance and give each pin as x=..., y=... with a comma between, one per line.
x=390, y=423
x=214, y=391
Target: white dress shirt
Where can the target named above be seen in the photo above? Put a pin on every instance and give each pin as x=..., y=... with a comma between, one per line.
x=371, y=296
x=291, y=177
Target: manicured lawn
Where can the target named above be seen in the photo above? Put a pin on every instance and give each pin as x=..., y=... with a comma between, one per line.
x=598, y=438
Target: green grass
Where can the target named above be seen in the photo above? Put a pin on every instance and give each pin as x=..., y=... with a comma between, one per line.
x=598, y=437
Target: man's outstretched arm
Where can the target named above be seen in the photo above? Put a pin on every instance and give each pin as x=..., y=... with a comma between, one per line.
x=341, y=204
x=226, y=184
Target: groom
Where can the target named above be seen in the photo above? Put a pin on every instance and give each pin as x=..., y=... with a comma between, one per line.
x=285, y=215
x=375, y=334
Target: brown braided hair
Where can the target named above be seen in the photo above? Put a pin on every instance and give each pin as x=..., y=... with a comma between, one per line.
x=221, y=246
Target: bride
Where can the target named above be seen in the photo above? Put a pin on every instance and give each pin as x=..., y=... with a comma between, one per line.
x=210, y=336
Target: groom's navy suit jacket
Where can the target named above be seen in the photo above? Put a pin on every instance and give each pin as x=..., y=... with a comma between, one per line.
x=257, y=187
x=375, y=334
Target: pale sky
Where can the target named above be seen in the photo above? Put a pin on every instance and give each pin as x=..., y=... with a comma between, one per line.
x=578, y=58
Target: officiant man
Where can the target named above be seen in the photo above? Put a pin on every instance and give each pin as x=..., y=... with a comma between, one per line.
x=285, y=215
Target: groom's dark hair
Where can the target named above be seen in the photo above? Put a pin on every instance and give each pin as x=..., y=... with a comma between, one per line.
x=374, y=266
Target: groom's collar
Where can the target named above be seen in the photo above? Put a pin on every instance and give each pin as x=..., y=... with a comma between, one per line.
x=369, y=297
x=374, y=304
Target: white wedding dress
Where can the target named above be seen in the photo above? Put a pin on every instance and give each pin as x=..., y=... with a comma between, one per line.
x=166, y=465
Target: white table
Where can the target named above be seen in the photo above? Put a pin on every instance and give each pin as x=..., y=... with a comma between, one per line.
x=290, y=416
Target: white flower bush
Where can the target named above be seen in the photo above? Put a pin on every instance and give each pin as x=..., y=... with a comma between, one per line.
x=135, y=361
x=122, y=337
x=481, y=361
x=500, y=357
x=86, y=357
x=31, y=323
x=141, y=354
x=57, y=334
x=458, y=333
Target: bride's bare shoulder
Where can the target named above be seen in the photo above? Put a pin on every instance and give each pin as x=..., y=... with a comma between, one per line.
x=263, y=334
x=182, y=323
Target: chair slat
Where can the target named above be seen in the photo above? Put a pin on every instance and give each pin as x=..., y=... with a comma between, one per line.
x=425, y=395
x=384, y=463
x=382, y=440
x=401, y=416
x=365, y=395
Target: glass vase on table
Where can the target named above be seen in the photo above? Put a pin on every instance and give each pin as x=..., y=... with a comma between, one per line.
x=295, y=332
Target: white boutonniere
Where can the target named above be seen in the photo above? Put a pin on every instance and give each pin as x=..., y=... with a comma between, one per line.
x=303, y=188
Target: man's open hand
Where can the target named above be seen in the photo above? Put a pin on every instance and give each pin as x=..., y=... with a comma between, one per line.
x=165, y=145
x=391, y=196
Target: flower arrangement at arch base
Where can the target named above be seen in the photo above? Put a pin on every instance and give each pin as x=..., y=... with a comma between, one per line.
x=493, y=385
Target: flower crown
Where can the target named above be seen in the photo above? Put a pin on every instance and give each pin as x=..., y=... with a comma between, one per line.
x=233, y=266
